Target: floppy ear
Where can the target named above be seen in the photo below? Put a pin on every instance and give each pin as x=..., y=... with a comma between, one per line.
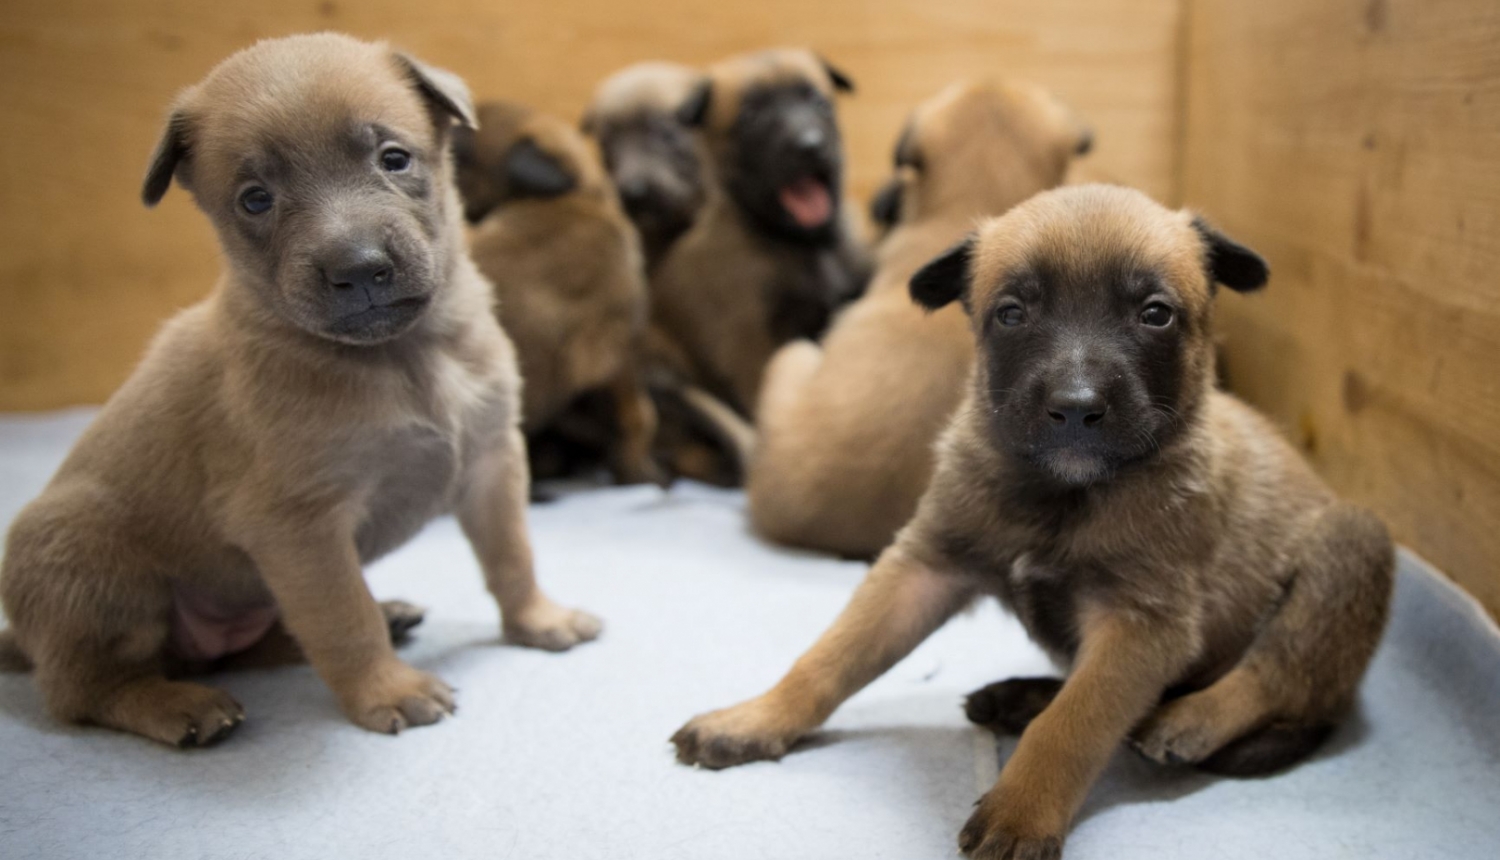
x=533, y=173
x=885, y=208
x=944, y=279
x=1230, y=263
x=841, y=82
x=444, y=90
x=171, y=150
x=694, y=109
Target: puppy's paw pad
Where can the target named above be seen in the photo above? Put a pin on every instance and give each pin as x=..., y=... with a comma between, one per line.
x=730, y=737
x=1007, y=707
x=553, y=628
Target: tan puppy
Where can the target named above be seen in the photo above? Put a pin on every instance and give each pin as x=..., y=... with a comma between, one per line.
x=567, y=270
x=1210, y=595
x=772, y=253
x=345, y=383
x=846, y=429
x=652, y=156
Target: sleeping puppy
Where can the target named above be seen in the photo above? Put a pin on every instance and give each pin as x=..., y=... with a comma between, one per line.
x=566, y=265
x=772, y=253
x=846, y=428
x=344, y=383
x=652, y=157
x=1215, y=602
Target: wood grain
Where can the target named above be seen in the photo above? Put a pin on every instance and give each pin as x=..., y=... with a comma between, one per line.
x=1355, y=144
x=87, y=274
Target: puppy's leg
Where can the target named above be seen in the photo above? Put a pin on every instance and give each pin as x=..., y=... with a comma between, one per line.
x=1299, y=677
x=635, y=415
x=492, y=512
x=900, y=603
x=314, y=572
x=278, y=648
x=1124, y=662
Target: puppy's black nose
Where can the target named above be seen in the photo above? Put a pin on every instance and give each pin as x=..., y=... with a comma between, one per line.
x=634, y=191
x=367, y=267
x=1076, y=406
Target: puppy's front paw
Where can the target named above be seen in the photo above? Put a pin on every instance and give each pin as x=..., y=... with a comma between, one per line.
x=551, y=627
x=747, y=732
x=1001, y=829
x=396, y=697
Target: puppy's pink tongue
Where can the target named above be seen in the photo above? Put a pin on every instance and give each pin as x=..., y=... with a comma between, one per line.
x=808, y=202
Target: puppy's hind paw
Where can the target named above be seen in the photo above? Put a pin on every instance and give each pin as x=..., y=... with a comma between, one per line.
x=398, y=697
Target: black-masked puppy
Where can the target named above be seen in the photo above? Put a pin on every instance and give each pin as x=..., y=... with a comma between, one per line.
x=652, y=156
x=344, y=383
x=846, y=428
x=1211, y=597
x=772, y=253
x=567, y=270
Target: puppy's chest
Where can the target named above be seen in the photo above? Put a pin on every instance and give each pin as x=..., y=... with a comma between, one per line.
x=414, y=467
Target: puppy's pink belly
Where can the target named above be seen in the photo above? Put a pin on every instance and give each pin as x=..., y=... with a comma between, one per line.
x=205, y=630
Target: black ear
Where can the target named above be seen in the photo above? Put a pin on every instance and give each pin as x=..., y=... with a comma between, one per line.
x=885, y=208
x=841, y=82
x=170, y=151
x=944, y=279
x=906, y=148
x=694, y=109
x=533, y=173
x=1230, y=263
x=444, y=90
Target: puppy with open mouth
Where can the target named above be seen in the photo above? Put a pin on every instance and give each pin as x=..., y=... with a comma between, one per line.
x=1214, y=602
x=846, y=427
x=345, y=383
x=772, y=253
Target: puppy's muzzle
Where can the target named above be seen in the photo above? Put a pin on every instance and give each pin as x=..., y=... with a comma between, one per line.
x=366, y=295
x=1076, y=407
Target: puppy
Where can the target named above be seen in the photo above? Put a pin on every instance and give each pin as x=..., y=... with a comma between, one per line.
x=651, y=155
x=1212, y=597
x=344, y=383
x=846, y=430
x=772, y=253
x=566, y=265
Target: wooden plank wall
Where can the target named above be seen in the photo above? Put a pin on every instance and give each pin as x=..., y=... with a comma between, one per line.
x=1355, y=142
x=87, y=274
x=1357, y=145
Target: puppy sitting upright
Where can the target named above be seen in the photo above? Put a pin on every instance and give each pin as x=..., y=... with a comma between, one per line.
x=846, y=428
x=1212, y=597
x=566, y=265
x=772, y=254
x=345, y=383
x=651, y=155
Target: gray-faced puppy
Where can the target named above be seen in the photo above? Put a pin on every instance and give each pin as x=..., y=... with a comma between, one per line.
x=847, y=426
x=652, y=156
x=344, y=383
x=1211, y=596
x=567, y=270
x=772, y=254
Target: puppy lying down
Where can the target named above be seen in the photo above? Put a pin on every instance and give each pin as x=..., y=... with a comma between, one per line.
x=1215, y=603
x=345, y=382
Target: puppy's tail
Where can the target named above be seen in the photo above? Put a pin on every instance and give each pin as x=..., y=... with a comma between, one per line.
x=729, y=429
x=12, y=658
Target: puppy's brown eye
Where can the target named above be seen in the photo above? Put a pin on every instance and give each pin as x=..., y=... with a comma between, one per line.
x=1156, y=315
x=256, y=201
x=395, y=160
x=1012, y=315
